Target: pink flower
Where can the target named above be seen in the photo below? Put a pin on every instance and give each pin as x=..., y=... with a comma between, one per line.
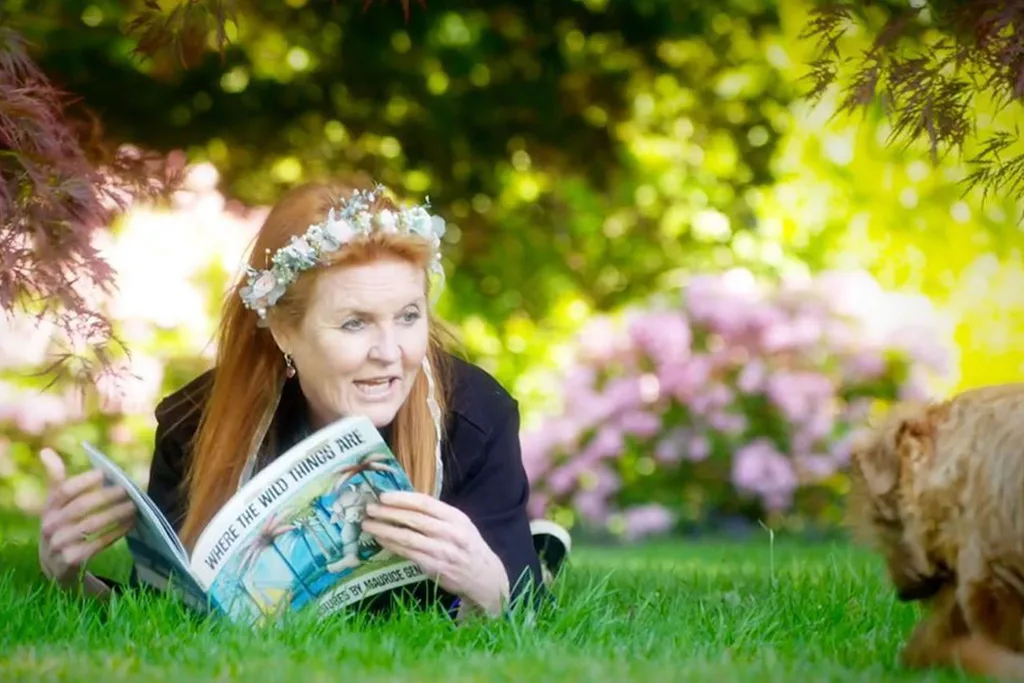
x=801, y=346
x=640, y=423
x=537, y=505
x=602, y=480
x=562, y=480
x=760, y=469
x=765, y=317
x=849, y=293
x=699, y=448
x=822, y=422
x=799, y=333
x=622, y=394
x=915, y=388
x=752, y=377
x=816, y=466
x=670, y=448
x=37, y=411
x=713, y=397
x=797, y=394
x=600, y=341
x=540, y=445
x=858, y=410
x=843, y=447
x=647, y=520
x=580, y=379
x=607, y=443
x=683, y=381
x=730, y=424
x=866, y=365
x=535, y=447
x=664, y=336
x=592, y=506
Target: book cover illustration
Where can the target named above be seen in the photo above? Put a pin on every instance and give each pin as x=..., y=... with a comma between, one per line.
x=312, y=548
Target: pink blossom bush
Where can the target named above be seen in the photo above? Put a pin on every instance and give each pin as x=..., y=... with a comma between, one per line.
x=170, y=268
x=740, y=400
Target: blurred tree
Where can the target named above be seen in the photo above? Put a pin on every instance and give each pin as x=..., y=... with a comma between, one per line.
x=530, y=125
x=587, y=154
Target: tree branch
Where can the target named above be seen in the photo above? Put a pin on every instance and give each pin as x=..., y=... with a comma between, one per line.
x=930, y=89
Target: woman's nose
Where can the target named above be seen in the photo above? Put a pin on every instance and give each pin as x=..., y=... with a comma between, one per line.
x=386, y=348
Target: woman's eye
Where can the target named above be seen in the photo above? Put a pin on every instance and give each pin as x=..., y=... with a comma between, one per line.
x=410, y=317
x=352, y=325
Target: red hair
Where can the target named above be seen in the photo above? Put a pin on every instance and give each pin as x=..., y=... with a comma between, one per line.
x=250, y=367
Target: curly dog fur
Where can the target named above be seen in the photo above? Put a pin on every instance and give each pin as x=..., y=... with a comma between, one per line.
x=938, y=489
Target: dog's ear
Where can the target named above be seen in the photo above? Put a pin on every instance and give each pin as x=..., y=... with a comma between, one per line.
x=912, y=438
x=877, y=465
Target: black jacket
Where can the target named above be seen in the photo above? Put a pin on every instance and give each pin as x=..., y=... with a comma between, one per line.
x=483, y=469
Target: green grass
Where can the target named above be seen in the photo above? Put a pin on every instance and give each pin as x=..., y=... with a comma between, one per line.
x=682, y=612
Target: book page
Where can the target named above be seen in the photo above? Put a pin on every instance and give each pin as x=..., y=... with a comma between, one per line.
x=153, y=569
x=151, y=535
x=293, y=535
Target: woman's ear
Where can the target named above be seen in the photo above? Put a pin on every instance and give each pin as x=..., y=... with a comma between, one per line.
x=282, y=336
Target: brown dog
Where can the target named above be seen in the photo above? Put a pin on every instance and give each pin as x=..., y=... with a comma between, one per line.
x=938, y=489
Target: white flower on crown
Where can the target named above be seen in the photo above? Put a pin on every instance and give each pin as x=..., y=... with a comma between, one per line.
x=419, y=221
x=364, y=221
x=302, y=247
x=263, y=285
x=338, y=230
x=387, y=221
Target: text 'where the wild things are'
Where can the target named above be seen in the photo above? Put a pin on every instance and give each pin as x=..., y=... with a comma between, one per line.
x=296, y=474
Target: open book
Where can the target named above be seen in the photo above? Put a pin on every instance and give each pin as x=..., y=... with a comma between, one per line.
x=290, y=537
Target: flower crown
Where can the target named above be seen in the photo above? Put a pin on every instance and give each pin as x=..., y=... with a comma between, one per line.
x=352, y=220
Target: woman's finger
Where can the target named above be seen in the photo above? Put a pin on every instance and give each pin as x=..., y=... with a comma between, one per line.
x=426, y=562
x=72, y=534
x=71, y=488
x=407, y=539
x=413, y=519
x=55, y=472
x=80, y=553
x=421, y=502
x=89, y=502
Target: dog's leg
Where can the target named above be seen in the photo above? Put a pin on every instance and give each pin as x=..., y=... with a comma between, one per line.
x=993, y=604
x=979, y=656
x=992, y=612
x=941, y=624
x=943, y=639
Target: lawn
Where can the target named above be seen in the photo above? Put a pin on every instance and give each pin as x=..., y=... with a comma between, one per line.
x=701, y=611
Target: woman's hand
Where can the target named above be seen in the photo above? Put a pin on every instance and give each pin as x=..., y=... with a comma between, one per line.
x=81, y=517
x=445, y=544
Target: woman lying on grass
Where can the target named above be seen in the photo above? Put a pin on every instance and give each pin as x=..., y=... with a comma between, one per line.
x=342, y=330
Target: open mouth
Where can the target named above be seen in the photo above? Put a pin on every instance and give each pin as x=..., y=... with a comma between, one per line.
x=923, y=588
x=377, y=387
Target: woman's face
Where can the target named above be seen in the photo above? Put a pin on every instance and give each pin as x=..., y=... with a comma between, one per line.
x=362, y=341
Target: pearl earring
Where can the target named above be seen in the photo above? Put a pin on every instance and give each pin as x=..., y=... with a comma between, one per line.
x=289, y=365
